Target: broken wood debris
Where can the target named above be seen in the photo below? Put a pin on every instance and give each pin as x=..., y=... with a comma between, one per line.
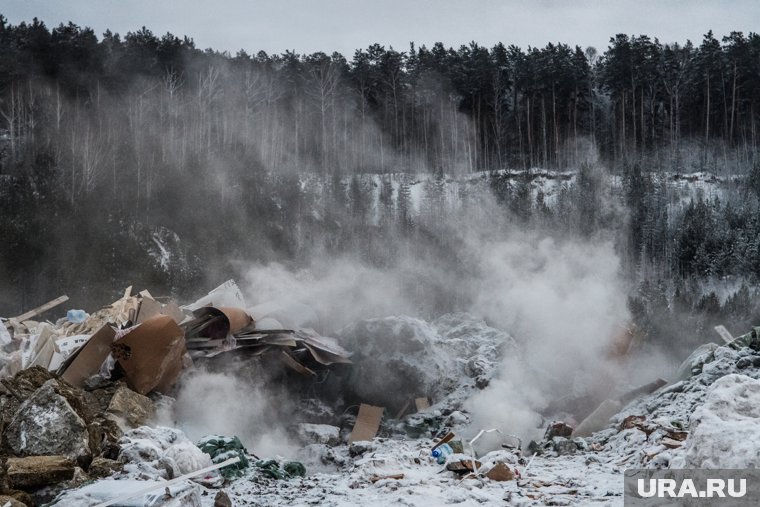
x=41, y=309
x=397, y=477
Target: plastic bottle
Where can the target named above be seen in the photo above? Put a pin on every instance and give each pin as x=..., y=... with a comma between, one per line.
x=76, y=316
x=440, y=453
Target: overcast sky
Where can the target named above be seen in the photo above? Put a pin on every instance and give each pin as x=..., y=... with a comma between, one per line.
x=307, y=26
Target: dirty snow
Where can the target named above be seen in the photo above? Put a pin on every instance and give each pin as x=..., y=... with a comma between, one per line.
x=709, y=419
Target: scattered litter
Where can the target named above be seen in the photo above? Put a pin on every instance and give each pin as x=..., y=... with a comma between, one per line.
x=117, y=363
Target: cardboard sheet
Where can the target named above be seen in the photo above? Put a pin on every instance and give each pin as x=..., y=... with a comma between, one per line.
x=86, y=361
x=421, y=404
x=45, y=355
x=151, y=354
x=149, y=307
x=367, y=423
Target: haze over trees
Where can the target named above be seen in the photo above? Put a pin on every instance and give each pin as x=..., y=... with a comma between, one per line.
x=114, y=147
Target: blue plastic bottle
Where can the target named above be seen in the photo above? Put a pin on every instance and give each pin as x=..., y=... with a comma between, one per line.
x=440, y=453
x=76, y=316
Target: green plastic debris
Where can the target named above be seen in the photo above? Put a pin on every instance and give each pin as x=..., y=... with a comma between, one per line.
x=271, y=468
x=223, y=448
x=456, y=446
x=295, y=469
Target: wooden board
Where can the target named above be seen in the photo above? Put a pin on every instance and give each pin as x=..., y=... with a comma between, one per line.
x=42, y=308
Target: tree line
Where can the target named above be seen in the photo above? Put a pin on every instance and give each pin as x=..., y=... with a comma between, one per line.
x=437, y=108
x=116, y=150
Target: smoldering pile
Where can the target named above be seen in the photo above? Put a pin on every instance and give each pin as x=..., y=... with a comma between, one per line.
x=99, y=378
x=91, y=429
x=70, y=389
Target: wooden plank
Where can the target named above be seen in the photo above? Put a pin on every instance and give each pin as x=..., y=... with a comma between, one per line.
x=367, y=423
x=395, y=477
x=724, y=333
x=160, y=485
x=448, y=437
x=404, y=409
x=42, y=308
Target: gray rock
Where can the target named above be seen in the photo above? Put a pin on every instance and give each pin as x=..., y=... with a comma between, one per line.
x=476, y=366
x=104, y=467
x=10, y=501
x=35, y=471
x=724, y=364
x=693, y=364
x=130, y=409
x=222, y=500
x=318, y=434
x=564, y=446
x=46, y=425
x=358, y=448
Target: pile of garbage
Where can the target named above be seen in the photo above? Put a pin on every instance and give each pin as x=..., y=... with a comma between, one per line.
x=79, y=399
x=706, y=418
x=151, y=343
x=73, y=392
x=79, y=396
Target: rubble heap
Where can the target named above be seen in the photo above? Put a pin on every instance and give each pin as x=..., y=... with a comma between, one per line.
x=682, y=424
x=78, y=399
x=73, y=392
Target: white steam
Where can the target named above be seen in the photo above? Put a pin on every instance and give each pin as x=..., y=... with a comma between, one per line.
x=565, y=302
x=224, y=404
x=340, y=291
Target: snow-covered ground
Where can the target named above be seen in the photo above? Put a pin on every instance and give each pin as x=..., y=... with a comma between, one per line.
x=706, y=418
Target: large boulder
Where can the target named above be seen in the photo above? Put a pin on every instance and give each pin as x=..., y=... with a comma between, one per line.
x=47, y=425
